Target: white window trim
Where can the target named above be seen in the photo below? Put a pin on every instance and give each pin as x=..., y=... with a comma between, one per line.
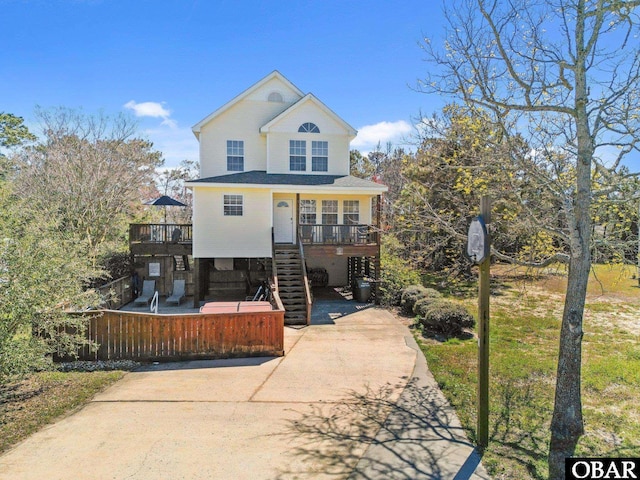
x=225, y=205
x=239, y=145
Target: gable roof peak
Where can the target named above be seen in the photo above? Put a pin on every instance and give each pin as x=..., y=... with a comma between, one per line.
x=274, y=74
x=309, y=97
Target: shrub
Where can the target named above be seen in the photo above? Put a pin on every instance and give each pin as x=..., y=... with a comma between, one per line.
x=409, y=296
x=396, y=273
x=428, y=297
x=446, y=317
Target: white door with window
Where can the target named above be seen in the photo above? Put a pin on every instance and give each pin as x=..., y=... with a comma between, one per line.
x=283, y=220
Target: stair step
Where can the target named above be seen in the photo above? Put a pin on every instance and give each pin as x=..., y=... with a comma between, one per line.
x=292, y=290
x=297, y=307
x=292, y=297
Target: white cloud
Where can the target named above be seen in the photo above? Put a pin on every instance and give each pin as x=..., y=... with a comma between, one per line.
x=152, y=109
x=383, y=132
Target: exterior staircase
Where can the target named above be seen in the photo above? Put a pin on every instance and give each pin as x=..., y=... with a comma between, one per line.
x=291, y=284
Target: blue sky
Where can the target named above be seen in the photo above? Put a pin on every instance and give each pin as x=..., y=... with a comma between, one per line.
x=171, y=63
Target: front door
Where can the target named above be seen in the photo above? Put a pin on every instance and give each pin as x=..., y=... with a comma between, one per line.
x=283, y=220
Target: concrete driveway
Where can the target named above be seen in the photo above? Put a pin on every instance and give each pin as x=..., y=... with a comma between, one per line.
x=350, y=399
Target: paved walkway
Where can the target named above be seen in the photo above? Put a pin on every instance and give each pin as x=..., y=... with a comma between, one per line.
x=352, y=399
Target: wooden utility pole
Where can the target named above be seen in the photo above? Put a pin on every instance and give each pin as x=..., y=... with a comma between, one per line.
x=483, y=334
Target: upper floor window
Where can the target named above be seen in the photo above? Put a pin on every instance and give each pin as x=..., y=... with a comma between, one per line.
x=297, y=155
x=235, y=155
x=319, y=156
x=233, y=205
x=275, y=97
x=308, y=128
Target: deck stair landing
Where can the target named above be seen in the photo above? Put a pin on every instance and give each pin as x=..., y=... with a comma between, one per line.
x=291, y=284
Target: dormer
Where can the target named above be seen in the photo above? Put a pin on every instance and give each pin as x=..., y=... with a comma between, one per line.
x=308, y=137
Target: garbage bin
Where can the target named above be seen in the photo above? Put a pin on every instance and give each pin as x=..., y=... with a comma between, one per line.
x=361, y=290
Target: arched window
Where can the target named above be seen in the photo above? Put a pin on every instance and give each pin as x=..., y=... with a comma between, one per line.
x=275, y=97
x=309, y=128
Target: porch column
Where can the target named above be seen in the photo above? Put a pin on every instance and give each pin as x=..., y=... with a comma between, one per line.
x=197, y=283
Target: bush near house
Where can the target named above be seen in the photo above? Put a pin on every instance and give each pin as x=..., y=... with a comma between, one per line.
x=411, y=295
x=421, y=305
x=445, y=317
x=397, y=272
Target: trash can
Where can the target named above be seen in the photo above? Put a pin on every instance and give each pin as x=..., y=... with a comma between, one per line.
x=361, y=290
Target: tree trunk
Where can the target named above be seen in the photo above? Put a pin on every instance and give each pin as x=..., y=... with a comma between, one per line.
x=567, y=424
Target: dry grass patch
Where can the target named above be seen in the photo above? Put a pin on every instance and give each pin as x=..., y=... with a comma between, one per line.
x=526, y=310
x=28, y=405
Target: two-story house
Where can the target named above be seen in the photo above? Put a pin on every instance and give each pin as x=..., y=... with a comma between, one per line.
x=274, y=186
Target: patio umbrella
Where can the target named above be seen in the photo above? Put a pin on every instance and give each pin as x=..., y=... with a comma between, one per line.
x=165, y=201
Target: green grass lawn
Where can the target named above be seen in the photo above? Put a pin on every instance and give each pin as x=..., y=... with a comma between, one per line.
x=524, y=328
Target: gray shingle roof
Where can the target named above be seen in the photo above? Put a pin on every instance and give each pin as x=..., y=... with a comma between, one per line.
x=259, y=177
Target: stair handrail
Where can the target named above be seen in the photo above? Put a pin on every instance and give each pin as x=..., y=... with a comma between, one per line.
x=274, y=274
x=153, y=308
x=274, y=267
x=307, y=290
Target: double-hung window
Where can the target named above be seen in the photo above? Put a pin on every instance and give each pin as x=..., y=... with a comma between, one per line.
x=330, y=212
x=297, y=155
x=233, y=205
x=319, y=156
x=307, y=212
x=235, y=155
x=351, y=212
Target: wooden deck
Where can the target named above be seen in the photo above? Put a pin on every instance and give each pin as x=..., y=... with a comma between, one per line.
x=148, y=337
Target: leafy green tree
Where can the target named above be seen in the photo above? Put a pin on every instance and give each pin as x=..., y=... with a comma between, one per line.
x=360, y=165
x=43, y=274
x=461, y=158
x=13, y=131
x=565, y=75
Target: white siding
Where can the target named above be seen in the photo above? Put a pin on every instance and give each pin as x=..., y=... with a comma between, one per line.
x=240, y=122
x=330, y=131
x=338, y=162
x=218, y=236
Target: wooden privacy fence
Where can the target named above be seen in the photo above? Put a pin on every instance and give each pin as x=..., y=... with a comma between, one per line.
x=147, y=337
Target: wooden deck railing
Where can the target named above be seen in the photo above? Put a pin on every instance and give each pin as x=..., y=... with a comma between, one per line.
x=326, y=234
x=117, y=293
x=305, y=278
x=147, y=337
x=160, y=233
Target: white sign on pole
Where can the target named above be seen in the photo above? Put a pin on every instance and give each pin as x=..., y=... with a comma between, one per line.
x=477, y=241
